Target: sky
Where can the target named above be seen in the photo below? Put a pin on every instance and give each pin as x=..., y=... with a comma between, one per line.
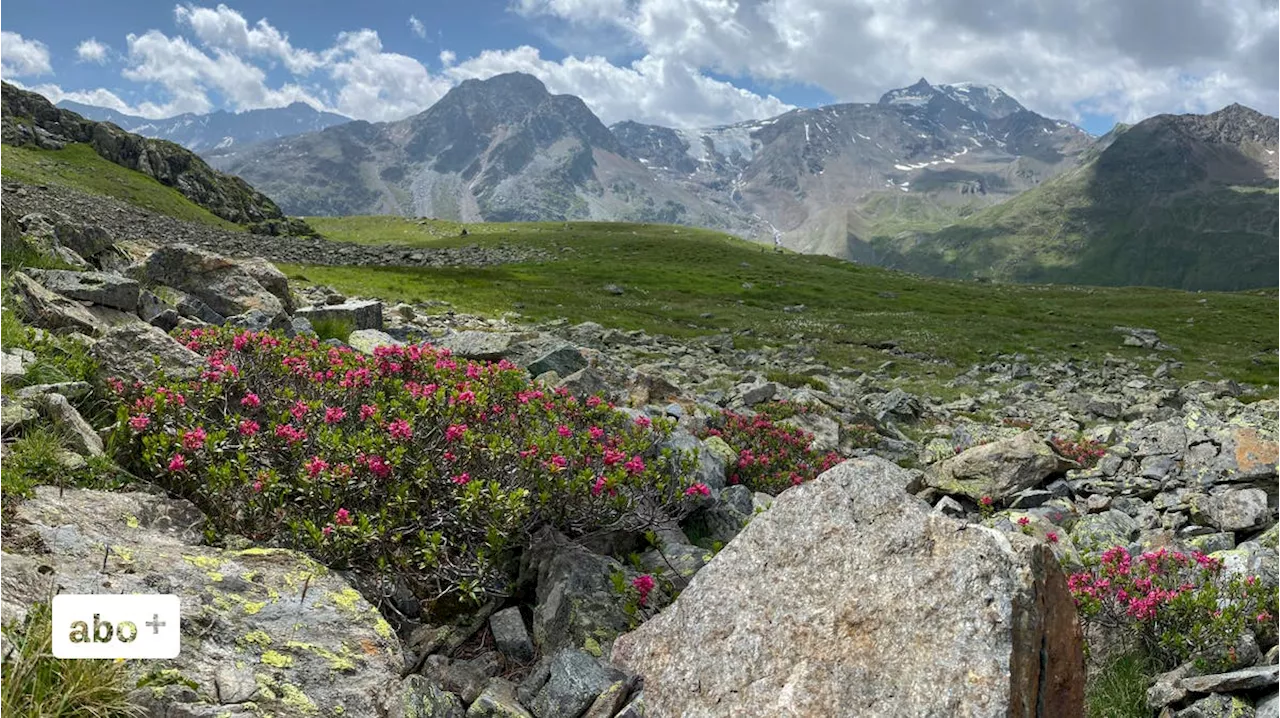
x=681, y=63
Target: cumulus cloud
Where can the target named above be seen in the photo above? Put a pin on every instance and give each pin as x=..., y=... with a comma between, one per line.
x=649, y=90
x=222, y=28
x=417, y=27
x=97, y=98
x=20, y=57
x=1133, y=58
x=92, y=51
x=377, y=85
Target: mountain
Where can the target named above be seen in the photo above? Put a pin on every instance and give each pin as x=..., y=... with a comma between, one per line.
x=217, y=130
x=826, y=178
x=501, y=149
x=1185, y=201
x=28, y=119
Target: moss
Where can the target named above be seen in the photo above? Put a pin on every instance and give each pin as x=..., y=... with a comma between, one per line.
x=276, y=659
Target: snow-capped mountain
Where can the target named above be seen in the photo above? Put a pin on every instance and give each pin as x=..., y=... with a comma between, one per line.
x=219, y=130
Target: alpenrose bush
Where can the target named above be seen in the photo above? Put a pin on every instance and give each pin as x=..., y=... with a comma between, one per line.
x=771, y=457
x=411, y=462
x=1086, y=452
x=1173, y=606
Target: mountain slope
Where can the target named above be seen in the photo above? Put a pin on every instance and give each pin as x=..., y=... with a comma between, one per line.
x=217, y=130
x=28, y=119
x=501, y=149
x=822, y=177
x=1186, y=201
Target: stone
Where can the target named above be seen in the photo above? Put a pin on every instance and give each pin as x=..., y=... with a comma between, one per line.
x=758, y=393
x=420, y=698
x=575, y=681
x=366, y=340
x=153, y=310
x=575, y=596
x=1268, y=707
x=584, y=383
x=16, y=414
x=271, y=279
x=999, y=469
x=1245, y=679
x=1166, y=689
x=510, y=635
x=12, y=366
x=108, y=317
x=1095, y=533
x=223, y=284
x=610, y=701
x=362, y=314
x=457, y=677
x=189, y=305
x=234, y=685
x=948, y=506
x=534, y=681
x=1234, y=510
x=109, y=290
x=484, y=346
x=70, y=389
x=708, y=468
x=498, y=700
x=79, y=435
x=1218, y=706
x=48, y=310
x=559, y=357
x=825, y=430
x=331, y=649
x=141, y=351
x=817, y=606
x=256, y=320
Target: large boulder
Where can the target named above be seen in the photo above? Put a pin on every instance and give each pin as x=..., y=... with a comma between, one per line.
x=141, y=351
x=49, y=310
x=999, y=469
x=577, y=605
x=362, y=314
x=109, y=290
x=267, y=626
x=226, y=286
x=271, y=279
x=850, y=597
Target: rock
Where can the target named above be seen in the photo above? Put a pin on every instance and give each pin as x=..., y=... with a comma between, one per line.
x=610, y=701
x=1095, y=533
x=49, y=310
x=498, y=700
x=897, y=404
x=12, y=366
x=420, y=698
x=226, y=286
x=484, y=346
x=507, y=627
x=1234, y=510
x=1166, y=689
x=108, y=317
x=758, y=393
x=189, y=305
x=15, y=414
x=140, y=352
x=302, y=327
x=366, y=340
x=365, y=314
x=154, y=311
x=1268, y=707
x=576, y=679
x=999, y=469
x=948, y=506
x=109, y=290
x=532, y=683
x=708, y=468
x=1245, y=679
x=246, y=606
x=817, y=606
x=1218, y=706
x=575, y=596
x=256, y=320
x=559, y=357
x=457, y=677
x=271, y=279
x=80, y=436
x=825, y=430
x=584, y=383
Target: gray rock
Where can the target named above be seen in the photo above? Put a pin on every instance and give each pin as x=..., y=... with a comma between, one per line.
x=999, y=469
x=1268, y=707
x=1234, y=510
x=365, y=314
x=80, y=436
x=576, y=679
x=560, y=357
x=1096, y=533
x=758, y=393
x=610, y=701
x=498, y=700
x=420, y=698
x=69, y=389
x=787, y=620
x=825, y=430
x=1166, y=689
x=234, y=685
x=1218, y=706
x=271, y=279
x=12, y=367
x=366, y=340
x=532, y=683
x=1245, y=679
x=156, y=312
x=189, y=305
x=575, y=596
x=302, y=326
x=223, y=284
x=109, y=290
x=584, y=383
x=256, y=320
x=485, y=346
x=510, y=635
x=140, y=352
x=457, y=677
x=49, y=310
x=948, y=506
x=708, y=467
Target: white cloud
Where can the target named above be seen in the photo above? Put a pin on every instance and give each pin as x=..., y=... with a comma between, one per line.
x=377, y=85
x=448, y=57
x=650, y=90
x=417, y=27
x=20, y=57
x=222, y=28
x=92, y=51
x=97, y=98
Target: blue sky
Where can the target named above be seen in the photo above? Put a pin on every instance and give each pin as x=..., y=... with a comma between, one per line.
x=674, y=62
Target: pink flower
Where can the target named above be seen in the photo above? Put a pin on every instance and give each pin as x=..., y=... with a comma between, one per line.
x=1052, y=537
x=1264, y=617
x=334, y=414
x=139, y=423
x=635, y=465
x=559, y=461
x=598, y=486
x=467, y=397
x=593, y=401
x=987, y=501
x=564, y=431
x=342, y=517
x=1023, y=521
x=248, y=427
x=178, y=463
x=291, y=434
x=400, y=430
x=299, y=409
x=379, y=467
x=644, y=421
x=612, y=456
x=327, y=531
x=315, y=466
x=698, y=489
x=194, y=439
x=461, y=479
x=257, y=486
x=251, y=401
x=455, y=432
x=596, y=433
x=644, y=584
x=367, y=412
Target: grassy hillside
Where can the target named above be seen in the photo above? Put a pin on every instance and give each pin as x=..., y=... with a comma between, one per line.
x=673, y=278
x=79, y=167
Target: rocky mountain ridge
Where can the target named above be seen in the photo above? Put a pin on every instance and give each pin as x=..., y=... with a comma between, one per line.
x=218, y=130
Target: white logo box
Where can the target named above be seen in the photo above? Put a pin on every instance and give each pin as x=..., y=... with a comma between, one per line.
x=111, y=625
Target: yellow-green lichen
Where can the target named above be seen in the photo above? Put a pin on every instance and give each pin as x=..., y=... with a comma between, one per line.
x=296, y=699
x=204, y=563
x=257, y=637
x=337, y=661
x=382, y=628
x=276, y=659
x=252, y=607
x=266, y=686
x=131, y=521
x=592, y=646
x=347, y=600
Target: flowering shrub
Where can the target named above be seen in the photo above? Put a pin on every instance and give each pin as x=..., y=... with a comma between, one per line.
x=411, y=461
x=1175, y=606
x=1085, y=452
x=770, y=457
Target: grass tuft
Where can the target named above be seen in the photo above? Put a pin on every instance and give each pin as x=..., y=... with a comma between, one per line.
x=333, y=328
x=1118, y=689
